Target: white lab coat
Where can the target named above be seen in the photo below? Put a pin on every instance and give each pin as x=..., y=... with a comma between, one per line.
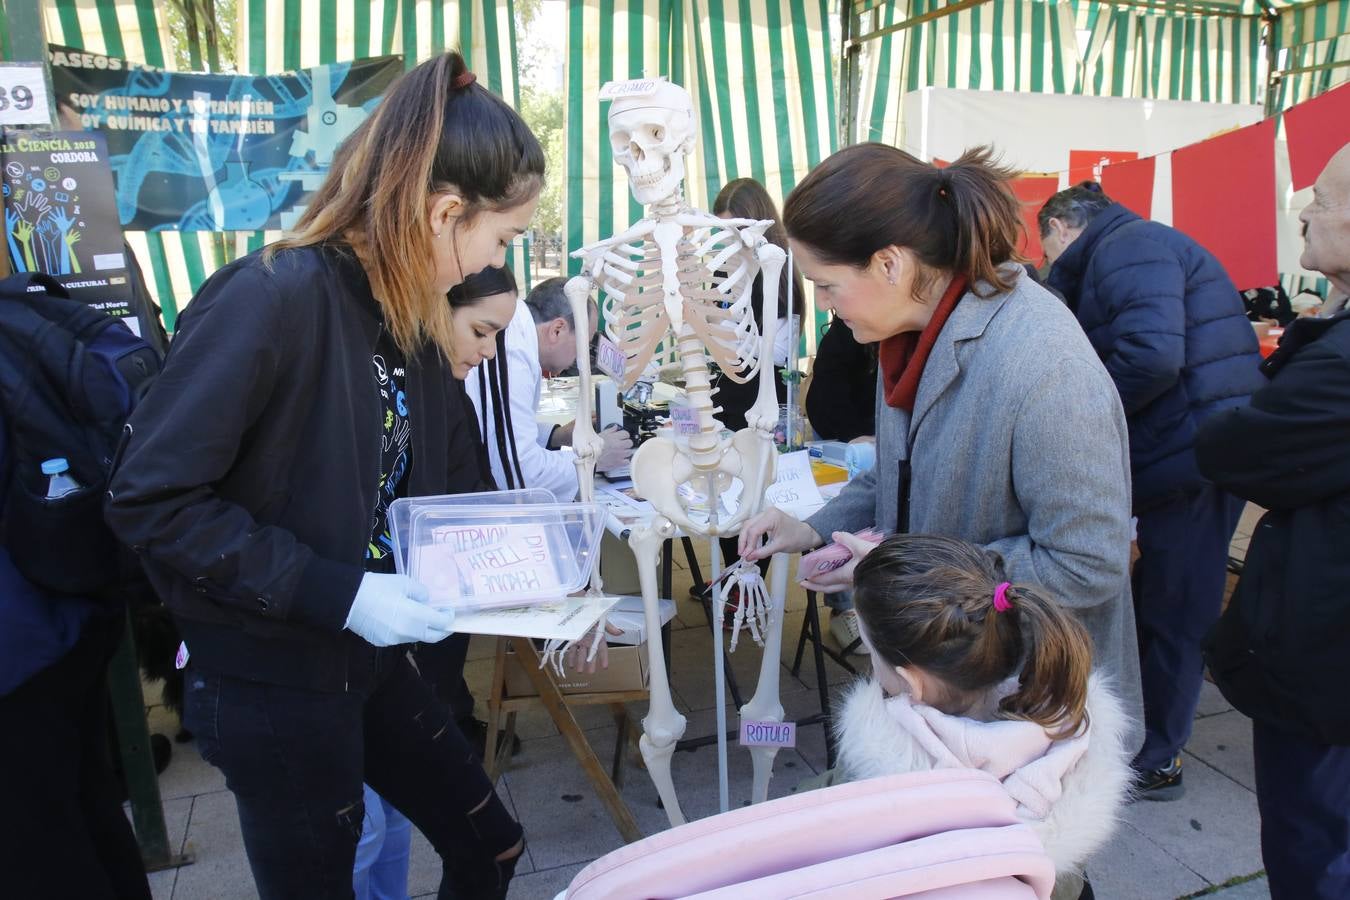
x=553, y=470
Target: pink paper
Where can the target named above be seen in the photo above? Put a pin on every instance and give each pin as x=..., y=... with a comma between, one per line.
x=832, y=556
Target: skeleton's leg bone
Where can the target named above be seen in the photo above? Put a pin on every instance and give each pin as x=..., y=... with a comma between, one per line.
x=765, y=705
x=663, y=726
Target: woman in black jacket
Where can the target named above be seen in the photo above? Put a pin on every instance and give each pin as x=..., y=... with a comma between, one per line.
x=308, y=386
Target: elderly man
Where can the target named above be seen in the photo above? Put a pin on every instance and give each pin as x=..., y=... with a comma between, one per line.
x=1281, y=652
x=521, y=451
x=1170, y=327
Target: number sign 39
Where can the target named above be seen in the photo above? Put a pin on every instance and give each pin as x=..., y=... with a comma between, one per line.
x=23, y=95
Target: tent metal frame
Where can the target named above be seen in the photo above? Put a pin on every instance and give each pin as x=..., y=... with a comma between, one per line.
x=853, y=37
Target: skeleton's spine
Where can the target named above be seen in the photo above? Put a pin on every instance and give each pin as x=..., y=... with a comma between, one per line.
x=703, y=446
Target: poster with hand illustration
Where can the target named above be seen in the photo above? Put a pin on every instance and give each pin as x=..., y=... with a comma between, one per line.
x=61, y=218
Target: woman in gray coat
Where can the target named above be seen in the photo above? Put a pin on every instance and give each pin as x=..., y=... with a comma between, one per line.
x=996, y=422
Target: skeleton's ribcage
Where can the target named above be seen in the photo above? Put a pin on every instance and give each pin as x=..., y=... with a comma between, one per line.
x=716, y=276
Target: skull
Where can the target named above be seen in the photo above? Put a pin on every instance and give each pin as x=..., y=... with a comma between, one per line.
x=651, y=135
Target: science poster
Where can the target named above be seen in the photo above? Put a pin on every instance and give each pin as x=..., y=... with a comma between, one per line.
x=60, y=216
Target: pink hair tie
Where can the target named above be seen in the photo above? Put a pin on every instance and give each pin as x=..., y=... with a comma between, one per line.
x=463, y=80
x=1001, y=603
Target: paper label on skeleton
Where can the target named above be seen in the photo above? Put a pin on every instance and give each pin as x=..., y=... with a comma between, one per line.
x=609, y=358
x=685, y=420
x=768, y=734
x=638, y=87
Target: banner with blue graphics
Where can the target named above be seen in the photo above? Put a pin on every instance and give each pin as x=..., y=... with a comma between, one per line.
x=205, y=152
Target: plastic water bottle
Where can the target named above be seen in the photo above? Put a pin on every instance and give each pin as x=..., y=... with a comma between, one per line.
x=60, y=481
x=859, y=458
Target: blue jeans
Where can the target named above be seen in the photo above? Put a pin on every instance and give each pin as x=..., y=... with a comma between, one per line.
x=296, y=760
x=381, y=871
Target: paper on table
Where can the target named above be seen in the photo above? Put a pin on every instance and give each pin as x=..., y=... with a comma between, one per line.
x=795, y=487
x=622, y=505
x=565, y=620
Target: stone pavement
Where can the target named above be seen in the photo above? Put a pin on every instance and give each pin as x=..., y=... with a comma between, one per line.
x=1162, y=850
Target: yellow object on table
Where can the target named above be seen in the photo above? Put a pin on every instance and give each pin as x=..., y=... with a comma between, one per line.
x=827, y=473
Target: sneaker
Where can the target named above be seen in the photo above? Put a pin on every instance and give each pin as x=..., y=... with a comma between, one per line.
x=844, y=630
x=1160, y=784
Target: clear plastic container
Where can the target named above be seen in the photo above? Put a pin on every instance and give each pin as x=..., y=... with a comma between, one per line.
x=401, y=510
x=484, y=556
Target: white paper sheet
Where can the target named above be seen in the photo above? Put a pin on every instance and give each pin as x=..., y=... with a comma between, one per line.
x=566, y=619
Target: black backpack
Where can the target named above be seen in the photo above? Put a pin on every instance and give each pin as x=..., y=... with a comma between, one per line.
x=69, y=377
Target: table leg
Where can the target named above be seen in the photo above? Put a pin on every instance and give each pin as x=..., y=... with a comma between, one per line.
x=576, y=741
x=493, y=762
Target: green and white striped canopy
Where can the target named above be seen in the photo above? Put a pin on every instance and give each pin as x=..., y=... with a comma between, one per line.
x=761, y=74
x=1084, y=47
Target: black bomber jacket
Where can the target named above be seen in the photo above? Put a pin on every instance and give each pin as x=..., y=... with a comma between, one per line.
x=247, y=478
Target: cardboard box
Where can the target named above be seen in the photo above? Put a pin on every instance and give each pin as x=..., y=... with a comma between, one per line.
x=628, y=614
x=628, y=671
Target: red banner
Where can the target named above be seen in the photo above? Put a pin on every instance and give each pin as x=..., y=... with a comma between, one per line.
x=1087, y=165
x=1223, y=195
x=1032, y=191
x=1131, y=185
x=1316, y=129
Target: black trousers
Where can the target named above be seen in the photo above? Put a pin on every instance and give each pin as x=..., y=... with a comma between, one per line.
x=442, y=667
x=296, y=759
x=63, y=832
x=1303, y=791
x=1178, y=592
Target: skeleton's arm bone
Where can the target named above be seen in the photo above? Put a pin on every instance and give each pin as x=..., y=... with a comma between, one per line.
x=763, y=415
x=587, y=444
x=639, y=232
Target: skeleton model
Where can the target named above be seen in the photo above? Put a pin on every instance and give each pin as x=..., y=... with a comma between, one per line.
x=686, y=272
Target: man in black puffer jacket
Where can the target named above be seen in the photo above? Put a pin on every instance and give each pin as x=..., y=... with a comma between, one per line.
x=1280, y=651
x=1171, y=329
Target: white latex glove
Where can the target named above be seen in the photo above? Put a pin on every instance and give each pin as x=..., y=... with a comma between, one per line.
x=618, y=449
x=392, y=609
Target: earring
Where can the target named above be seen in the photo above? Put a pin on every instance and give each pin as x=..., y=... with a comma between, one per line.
x=891, y=280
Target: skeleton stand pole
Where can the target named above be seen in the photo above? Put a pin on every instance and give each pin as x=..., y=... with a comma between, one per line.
x=719, y=661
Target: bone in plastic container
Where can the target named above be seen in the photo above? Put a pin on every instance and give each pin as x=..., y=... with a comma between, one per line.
x=487, y=555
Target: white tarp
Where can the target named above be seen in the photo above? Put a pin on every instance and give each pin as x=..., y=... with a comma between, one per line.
x=1037, y=132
